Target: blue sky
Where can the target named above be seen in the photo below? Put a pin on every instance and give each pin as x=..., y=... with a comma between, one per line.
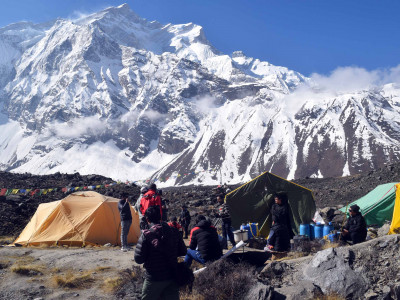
x=309, y=36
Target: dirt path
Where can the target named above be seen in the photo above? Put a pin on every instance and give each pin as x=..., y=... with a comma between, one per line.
x=98, y=273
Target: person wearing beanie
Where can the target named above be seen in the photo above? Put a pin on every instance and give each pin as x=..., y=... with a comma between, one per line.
x=150, y=198
x=355, y=229
x=126, y=220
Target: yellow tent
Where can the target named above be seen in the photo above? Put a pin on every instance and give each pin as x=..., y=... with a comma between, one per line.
x=82, y=218
x=395, y=226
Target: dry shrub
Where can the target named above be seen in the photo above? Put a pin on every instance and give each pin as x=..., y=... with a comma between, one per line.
x=113, y=284
x=102, y=269
x=222, y=280
x=6, y=240
x=126, y=279
x=330, y=245
x=4, y=264
x=330, y=296
x=72, y=280
x=28, y=270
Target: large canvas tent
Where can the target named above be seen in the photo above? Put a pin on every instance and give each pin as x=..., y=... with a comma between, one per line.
x=252, y=202
x=82, y=218
x=377, y=206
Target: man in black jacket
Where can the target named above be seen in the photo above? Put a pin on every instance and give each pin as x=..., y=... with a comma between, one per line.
x=126, y=220
x=158, y=249
x=281, y=231
x=355, y=229
x=184, y=220
x=203, y=237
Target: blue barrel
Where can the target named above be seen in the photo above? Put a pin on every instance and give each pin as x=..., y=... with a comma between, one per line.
x=305, y=229
x=312, y=231
x=318, y=231
x=327, y=229
x=251, y=228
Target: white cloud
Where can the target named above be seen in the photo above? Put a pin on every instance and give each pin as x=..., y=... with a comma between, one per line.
x=130, y=117
x=78, y=127
x=341, y=81
x=154, y=115
x=351, y=79
x=205, y=104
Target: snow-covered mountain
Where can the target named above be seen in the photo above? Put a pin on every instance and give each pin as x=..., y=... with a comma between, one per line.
x=117, y=95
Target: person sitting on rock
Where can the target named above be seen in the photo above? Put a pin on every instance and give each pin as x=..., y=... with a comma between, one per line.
x=355, y=229
x=281, y=230
x=203, y=237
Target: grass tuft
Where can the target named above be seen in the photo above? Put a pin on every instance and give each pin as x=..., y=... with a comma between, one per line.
x=6, y=240
x=124, y=278
x=27, y=270
x=4, y=264
x=72, y=280
x=330, y=296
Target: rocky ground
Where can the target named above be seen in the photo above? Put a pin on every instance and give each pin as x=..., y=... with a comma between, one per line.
x=16, y=210
x=372, y=266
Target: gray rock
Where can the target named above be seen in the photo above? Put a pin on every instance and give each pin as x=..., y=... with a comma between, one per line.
x=273, y=269
x=300, y=291
x=260, y=291
x=331, y=272
x=383, y=230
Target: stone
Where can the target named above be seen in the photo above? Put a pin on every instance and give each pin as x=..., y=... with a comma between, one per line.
x=273, y=269
x=330, y=272
x=300, y=291
x=260, y=291
x=383, y=230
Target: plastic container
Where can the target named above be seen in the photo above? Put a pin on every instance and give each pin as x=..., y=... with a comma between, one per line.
x=327, y=229
x=252, y=229
x=333, y=237
x=319, y=231
x=312, y=231
x=241, y=235
x=305, y=229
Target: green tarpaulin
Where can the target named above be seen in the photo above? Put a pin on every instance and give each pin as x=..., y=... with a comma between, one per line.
x=252, y=202
x=377, y=206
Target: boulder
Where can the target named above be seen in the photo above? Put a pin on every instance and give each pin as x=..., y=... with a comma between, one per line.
x=384, y=230
x=332, y=273
x=260, y=291
x=300, y=291
x=273, y=269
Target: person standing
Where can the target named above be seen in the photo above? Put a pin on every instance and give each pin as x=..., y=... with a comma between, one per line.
x=158, y=249
x=355, y=229
x=281, y=230
x=224, y=214
x=204, y=243
x=142, y=222
x=151, y=198
x=126, y=220
x=184, y=220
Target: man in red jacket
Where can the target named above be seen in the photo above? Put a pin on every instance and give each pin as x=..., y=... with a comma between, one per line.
x=151, y=198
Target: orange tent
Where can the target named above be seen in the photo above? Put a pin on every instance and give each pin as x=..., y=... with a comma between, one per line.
x=82, y=218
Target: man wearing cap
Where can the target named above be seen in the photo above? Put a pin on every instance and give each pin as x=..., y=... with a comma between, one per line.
x=355, y=229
